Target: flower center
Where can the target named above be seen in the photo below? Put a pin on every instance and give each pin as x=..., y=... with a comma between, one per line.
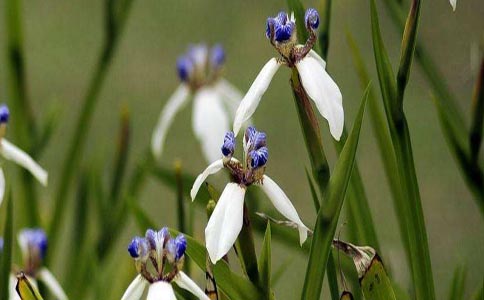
x=158, y=256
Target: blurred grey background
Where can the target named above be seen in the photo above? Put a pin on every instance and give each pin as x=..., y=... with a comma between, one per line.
x=62, y=41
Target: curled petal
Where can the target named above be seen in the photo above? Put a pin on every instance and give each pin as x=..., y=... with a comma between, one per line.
x=282, y=203
x=11, y=152
x=186, y=283
x=161, y=290
x=210, y=122
x=323, y=91
x=226, y=222
x=251, y=100
x=52, y=284
x=2, y=186
x=211, y=169
x=176, y=102
x=135, y=289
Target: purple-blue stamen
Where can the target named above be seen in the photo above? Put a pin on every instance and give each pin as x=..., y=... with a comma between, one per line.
x=283, y=32
x=1, y=244
x=135, y=248
x=282, y=17
x=228, y=148
x=4, y=114
x=311, y=18
x=255, y=139
x=270, y=25
x=259, y=157
x=184, y=67
x=180, y=246
x=217, y=56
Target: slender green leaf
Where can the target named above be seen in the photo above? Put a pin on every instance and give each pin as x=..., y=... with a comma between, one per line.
x=379, y=126
x=475, y=136
x=6, y=254
x=324, y=28
x=412, y=206
x=265, y=262
x=327, y=219
x=457, y=288
x=297, y=7
x=115, y=23
x=479, y=294
x=408, y=48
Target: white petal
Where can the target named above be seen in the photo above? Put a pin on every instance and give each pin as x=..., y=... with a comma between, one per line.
x=176, y=102
x=210, y=122
x=230, y=94
x=135, y=289
x=161, y=290
x=52, y=284
x=186, y=283
x=282, y=203
x=323, y=91
x=2, y=186
x=226, y=222
x=211, y=169
x=453, y=3
x=251, y=100
x=11, y=152
x=12, y=283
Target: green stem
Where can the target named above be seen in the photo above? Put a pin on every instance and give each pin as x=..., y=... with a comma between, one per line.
x=246, y=245
x=72, y=160
x=24, y=125
x=312, y=136
x=324, y=29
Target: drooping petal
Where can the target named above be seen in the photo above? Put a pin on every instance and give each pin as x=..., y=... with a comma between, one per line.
x=210, y=121
x=453, y=3
x=226, y=222
x=161, y=290
x=211, y=169
x=2, y=186
x=135, y=289
x=11, y=152
x=52, y=284
x=282, y=203
x=176, y=102
x=186, y=283
x=321, y=88
x=251, y=100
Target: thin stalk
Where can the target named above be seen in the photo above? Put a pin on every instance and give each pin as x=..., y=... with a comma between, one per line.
x=247, y=252
x=181, y=211
x=24, y=124
x=113, y=30
x=312, y=136
x=324, y=29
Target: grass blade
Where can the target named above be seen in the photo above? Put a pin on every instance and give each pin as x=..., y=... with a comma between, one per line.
x=327, y=219
x=457, y=287
x=297, y=7
x=6, y=254
x=475, y=136
x=265, y=261
x=324, y=29
x=416, y=233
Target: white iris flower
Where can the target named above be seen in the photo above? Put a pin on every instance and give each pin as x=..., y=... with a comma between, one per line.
x=281, y=31
x=33, y=245
x=159, y=259
x=214, y=100
x=226, y=220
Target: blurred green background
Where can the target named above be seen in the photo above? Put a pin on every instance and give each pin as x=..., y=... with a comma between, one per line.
x=62, y=41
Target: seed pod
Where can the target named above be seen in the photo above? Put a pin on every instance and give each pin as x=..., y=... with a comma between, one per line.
x=25, y=289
